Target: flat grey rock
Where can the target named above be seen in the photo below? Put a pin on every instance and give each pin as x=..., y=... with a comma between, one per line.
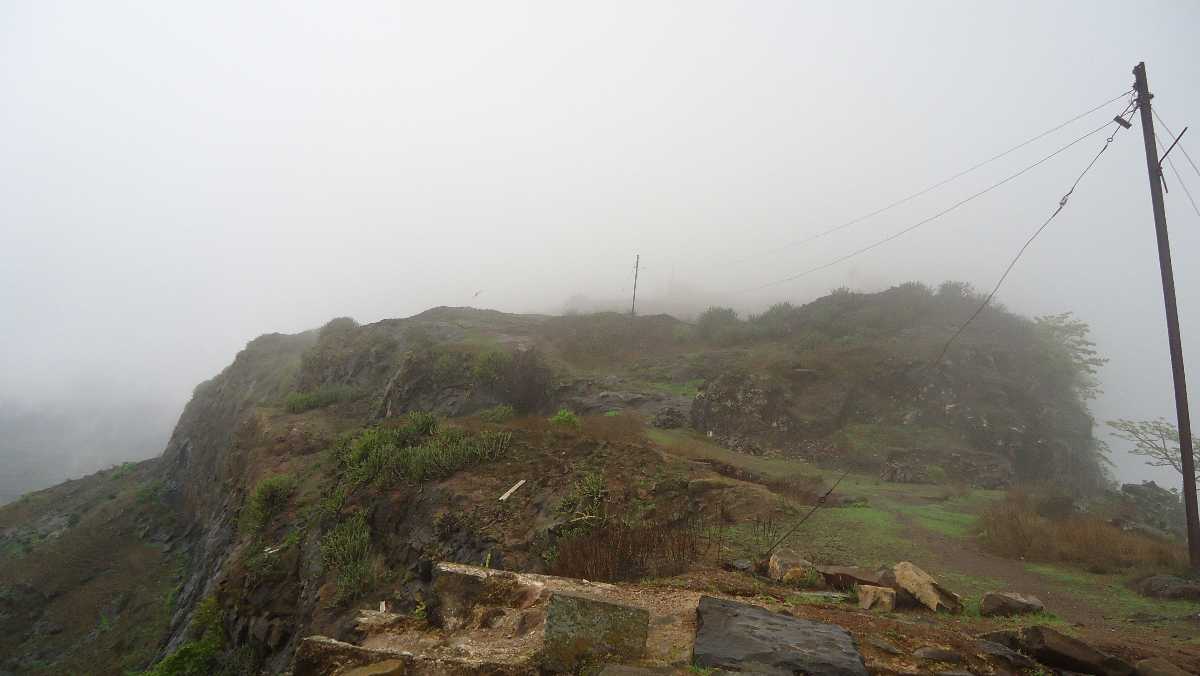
x=738, y=637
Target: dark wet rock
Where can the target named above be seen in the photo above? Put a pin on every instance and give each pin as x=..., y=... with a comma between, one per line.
x=936, y=654
x=1168, y=587
x=882, y=645
x=1059, y=650
x=1009, y=638
x=847, y=577
x=1009, y=603
x=668, y=418
x=740, y=637
x=580, y=629
x=1005, y=654
x=740, y=566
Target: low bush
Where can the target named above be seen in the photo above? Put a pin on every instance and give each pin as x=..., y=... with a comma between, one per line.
x=269, y=498
x=501, y=413
x=299, y=402
x=565, y=418
x=1013, y=528
x=346, y=551
x=201, y=654
x=419, y=452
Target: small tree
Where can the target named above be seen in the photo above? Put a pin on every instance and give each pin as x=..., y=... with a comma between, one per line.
x=1156, y=440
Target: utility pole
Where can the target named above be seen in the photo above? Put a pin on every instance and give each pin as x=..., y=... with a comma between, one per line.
x=1154, y=167
x=637, y=262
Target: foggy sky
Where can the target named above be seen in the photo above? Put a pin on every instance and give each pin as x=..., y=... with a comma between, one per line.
x=177, y=178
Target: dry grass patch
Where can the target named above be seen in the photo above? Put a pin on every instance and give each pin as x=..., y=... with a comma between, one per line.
x=1013, y=528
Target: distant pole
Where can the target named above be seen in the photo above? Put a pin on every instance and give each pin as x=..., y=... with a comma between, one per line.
x=1154, y=167
x=637, y=262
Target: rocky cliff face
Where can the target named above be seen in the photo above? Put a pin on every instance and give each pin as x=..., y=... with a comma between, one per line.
x=286, y=404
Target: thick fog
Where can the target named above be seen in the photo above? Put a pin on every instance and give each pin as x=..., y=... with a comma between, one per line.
x=177, y=178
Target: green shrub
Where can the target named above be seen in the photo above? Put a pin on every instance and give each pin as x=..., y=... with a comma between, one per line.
x=565, y=418
x=417, y=452
x=200, y=655
x=346, y=550
x=490, y=367
x=299, y=402
x=498, y=414
x=718, y=324
x=936, y=474
x=269, y=498
x=421, y=423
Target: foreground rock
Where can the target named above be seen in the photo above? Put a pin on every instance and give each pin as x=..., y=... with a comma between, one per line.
x=1059, y=650
x=1003, y=604
x=1157, y=666
x=738, y=637
x=580, y=629
x=882, y=599
x=1168, y=587
x=917, y=584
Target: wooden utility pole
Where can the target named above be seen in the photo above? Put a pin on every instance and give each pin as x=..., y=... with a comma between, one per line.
x=637, y=262
x=1187, y=461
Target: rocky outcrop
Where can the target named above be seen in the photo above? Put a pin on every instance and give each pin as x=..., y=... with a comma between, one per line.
x=1168, y=587
x=737, y=637
x=1009, y=603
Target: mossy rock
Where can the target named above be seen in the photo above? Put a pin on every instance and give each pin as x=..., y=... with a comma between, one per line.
x=581, y=630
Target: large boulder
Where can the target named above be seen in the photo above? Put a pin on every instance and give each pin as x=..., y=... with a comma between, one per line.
x=1168, y=587
x=794, y=567
x=580, y=629
x=1003, y=604
x=917, y=584
x=1064, y=652
x=738, y=637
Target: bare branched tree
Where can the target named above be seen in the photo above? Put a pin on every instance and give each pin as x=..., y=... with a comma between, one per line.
x=1157, y=440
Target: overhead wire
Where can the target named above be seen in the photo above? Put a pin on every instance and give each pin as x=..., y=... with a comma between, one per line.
x=1062, y=204
x=929, y=219
x=935, y=186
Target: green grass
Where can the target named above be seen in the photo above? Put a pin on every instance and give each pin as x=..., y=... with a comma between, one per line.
x=1108, y=592
x=299, y=402
x=852, y=536
x=697, y=447
x=688, y=388
x=941, y=518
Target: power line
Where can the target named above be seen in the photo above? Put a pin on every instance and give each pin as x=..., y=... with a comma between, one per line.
x=1178, y=177
x=929, y=219
x=1168, y=130
x=1062, y=204
x=933, y=187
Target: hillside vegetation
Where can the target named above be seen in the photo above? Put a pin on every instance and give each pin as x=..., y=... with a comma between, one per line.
x=327, y=470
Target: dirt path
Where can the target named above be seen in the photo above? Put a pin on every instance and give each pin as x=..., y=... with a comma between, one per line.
x=1104, y=629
